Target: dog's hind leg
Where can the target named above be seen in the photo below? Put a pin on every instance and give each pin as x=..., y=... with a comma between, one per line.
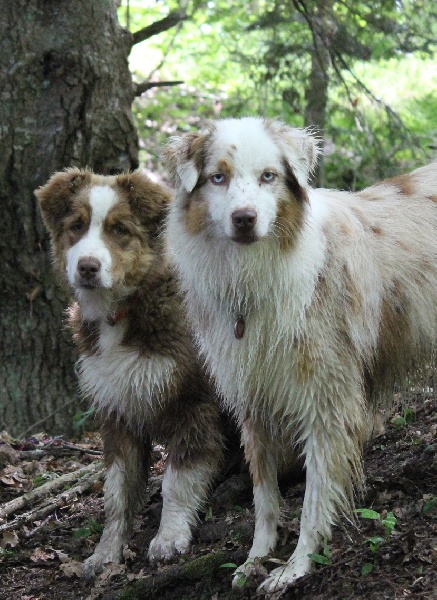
x=261, y=453
x=127, y=456
x=195, y=452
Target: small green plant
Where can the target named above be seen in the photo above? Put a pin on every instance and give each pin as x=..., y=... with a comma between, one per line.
x=404, y=420
x=241, y=577
x=44, y=478
x=429, y=505
x=80, y=419
x=366, y=568
x=374, y=542
x=84, y=532
x=322, y=559
x=388, y=522
x=209, y=515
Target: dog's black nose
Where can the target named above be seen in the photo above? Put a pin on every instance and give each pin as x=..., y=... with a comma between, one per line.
x=244, y=219
x=88, y=267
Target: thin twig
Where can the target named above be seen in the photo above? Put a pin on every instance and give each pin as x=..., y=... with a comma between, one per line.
x=44, y=419
x=147, y=85
x=168, y=22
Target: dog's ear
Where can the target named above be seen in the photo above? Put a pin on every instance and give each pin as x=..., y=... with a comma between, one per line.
x=55, y=196
x=185, y=158
x=301, y=148
x=149, y=200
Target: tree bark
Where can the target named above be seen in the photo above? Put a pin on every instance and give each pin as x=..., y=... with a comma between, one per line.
x=323, y=29
x=66, y=94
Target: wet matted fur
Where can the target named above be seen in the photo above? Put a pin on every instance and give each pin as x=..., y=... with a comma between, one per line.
x=137, y=363
x=308, y=305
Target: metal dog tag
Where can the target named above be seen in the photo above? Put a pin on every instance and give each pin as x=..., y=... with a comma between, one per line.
x=239, y=327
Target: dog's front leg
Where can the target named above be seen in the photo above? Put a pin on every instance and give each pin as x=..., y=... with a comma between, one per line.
x=127, y=459
x=261, y=453
x=332, y=452
x=195, y=452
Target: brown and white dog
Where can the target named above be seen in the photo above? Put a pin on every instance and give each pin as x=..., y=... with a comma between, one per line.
x=137, y=362
x=308, y=304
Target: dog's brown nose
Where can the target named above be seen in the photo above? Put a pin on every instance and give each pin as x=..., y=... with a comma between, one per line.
x=88, y=267
x=244, y=219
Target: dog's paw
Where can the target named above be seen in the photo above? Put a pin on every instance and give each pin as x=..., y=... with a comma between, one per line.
x=95, y=563
x=281, y=577
x=249, y=573
x=167, y=544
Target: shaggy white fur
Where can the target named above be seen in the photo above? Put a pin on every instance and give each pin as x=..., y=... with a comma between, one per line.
x=338, y=294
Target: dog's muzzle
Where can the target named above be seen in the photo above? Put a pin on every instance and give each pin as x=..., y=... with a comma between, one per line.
x=243, y=223
x=88, y=272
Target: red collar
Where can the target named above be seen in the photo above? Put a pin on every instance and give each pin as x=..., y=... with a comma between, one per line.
x=118, y=316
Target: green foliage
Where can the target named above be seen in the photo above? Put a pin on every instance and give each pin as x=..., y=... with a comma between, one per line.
x=403, y=420
x=240, y=59
x=80, y=420
x=366, y=568
x=429, y=505
x=322, y=559
x=241, y=578
x=84, y=532
x=375, y=542
x=209, y=514
x=388, y=522
x=44, y=478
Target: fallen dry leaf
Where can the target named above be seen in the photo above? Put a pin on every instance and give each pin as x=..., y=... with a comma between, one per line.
x=110, y=569
x=72, y=568
x=40, y=554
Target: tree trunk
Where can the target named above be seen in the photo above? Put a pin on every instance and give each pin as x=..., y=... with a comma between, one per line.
x=66, y=94
x=323, y=30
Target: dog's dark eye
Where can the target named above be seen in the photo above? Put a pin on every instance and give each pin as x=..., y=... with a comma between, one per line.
x=218, y=179
x=119, y=229
x=77, y=226
x=268, y=176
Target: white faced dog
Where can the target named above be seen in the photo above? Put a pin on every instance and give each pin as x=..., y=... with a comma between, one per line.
x=308, y=305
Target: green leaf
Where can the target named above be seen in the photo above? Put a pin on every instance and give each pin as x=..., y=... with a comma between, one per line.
x=374, y=542
x=241, y=579
x=389, y=523
x=429, y=505
x=366, y=513
x=82, y=533
x=408, y=416
x=366, y=568
x=228, y=566
x=320, y=559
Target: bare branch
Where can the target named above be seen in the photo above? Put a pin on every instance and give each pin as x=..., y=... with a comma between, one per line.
x=47, y=489
x=147, y=85
x=167, y=22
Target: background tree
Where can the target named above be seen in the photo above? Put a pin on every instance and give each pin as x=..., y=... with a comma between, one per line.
x=66, y=95
x=329, y=64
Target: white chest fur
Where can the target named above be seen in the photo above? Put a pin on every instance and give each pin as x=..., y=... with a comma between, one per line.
x=121, y=379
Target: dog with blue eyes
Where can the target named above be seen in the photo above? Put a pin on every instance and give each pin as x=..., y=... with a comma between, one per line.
x=308, y=306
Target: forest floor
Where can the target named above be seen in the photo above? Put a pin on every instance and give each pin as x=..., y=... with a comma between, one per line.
x=43, y=544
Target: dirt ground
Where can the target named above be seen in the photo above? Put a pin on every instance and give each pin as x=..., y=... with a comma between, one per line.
x=41, y=553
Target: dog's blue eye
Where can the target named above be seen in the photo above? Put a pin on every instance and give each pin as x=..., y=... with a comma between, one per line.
x=268, y=176
x=218, y=179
